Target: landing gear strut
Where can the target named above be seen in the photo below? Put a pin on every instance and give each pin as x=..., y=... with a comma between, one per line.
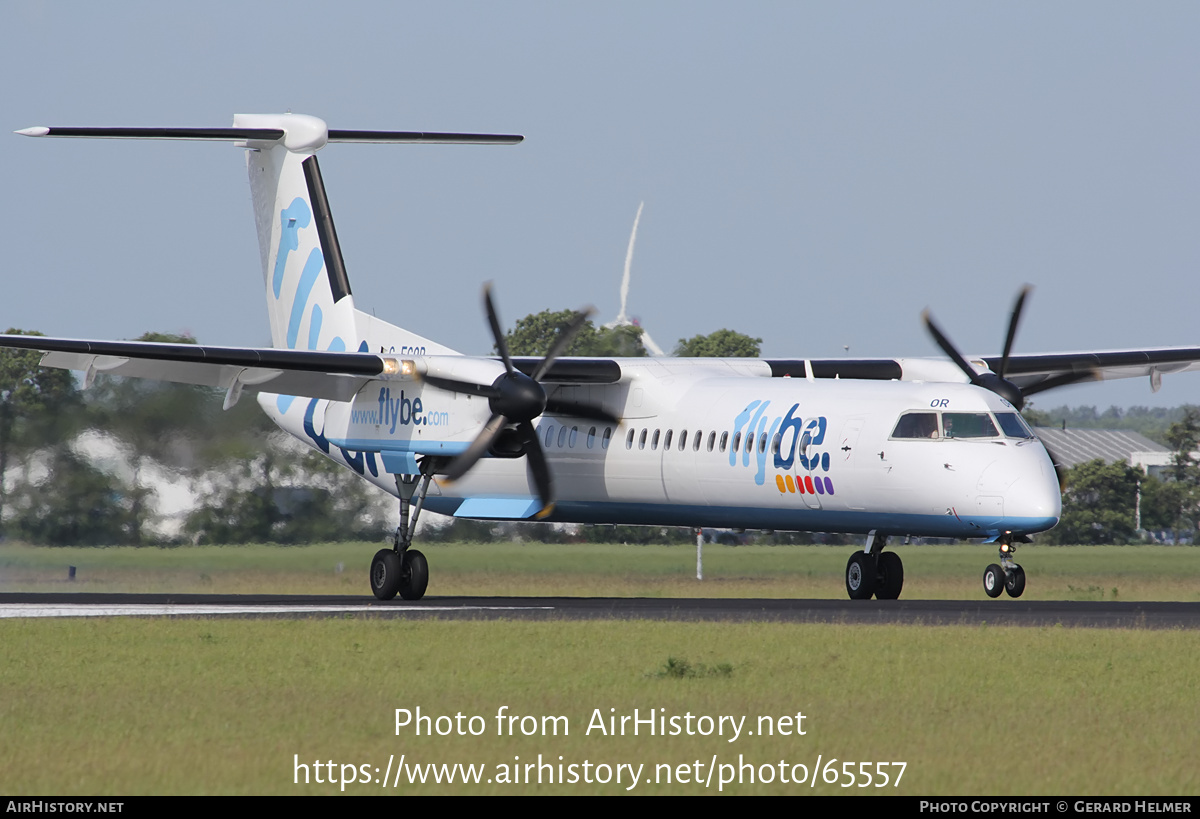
x=403, y=570
x=1007, y=576
x=874, y=572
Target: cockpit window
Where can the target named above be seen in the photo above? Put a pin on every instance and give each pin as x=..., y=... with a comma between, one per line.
x=968, y=425
x=917, y=425
x=1014, y=425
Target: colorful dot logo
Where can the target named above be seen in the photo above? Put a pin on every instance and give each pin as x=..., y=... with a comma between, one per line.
x=808, y=485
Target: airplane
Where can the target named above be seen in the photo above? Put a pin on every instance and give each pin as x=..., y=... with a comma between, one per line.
x=886, y=448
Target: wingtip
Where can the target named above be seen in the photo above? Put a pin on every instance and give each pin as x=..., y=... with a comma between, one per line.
x=35, y=131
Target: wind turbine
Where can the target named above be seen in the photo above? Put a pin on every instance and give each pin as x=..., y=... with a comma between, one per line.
x=622, y=319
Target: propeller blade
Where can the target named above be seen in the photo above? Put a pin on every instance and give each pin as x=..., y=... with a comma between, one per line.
x=565, y=336
x=497, y=333
x=577, y=409
x=482, y=443
x=539, y=467
x=466, y=387
x=948, y=348
x=1012, y=329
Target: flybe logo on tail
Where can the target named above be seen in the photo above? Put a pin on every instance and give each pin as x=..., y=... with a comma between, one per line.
x=789, y=441
x=293, y=219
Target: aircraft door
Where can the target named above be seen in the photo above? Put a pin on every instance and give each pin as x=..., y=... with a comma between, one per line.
x=847, y=455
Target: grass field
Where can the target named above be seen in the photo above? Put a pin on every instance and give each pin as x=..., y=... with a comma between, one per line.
x=195, y=705
x=605, y=570
x=227, y=706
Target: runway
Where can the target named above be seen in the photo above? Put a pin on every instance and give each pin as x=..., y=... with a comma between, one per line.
x=905, y=612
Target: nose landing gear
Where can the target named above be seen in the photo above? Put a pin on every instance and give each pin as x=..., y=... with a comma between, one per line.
x=1007, y=576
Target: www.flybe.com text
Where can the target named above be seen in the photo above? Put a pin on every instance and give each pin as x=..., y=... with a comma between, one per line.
x=401, y=411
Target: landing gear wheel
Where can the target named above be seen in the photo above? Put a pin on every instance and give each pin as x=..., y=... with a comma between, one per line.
x=385, y=574
x=994, y=580
x=860, y=576
x=414, y=575
x=891, y=576
x=1014, y=584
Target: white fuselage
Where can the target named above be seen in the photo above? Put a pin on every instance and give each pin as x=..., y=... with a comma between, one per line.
x=700, y=445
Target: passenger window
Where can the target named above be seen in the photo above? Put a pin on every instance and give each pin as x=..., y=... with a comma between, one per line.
x=682, y=440
x=737, y=441
x=696, y=443
x=562, y=436
x=608, y=435
x=968, y=425
x=591, y=437
x=667, y=440
x=549, y=433
x=629, y=440
x=762, y=443
x=574, y=434
x=712, y=439
x=642, y=440
x=775, y=443
x=654, y=440
x=917, y=425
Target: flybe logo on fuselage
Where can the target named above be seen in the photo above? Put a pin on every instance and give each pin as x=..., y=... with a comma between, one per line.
x=403, y=411
x=798, y=448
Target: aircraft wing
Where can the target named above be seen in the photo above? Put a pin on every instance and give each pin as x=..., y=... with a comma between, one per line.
x=1040, y=372
x=337, y=376
x=1031, y=373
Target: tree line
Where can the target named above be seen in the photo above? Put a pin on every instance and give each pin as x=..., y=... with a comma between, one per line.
x=87, y=467
x=1117, y=503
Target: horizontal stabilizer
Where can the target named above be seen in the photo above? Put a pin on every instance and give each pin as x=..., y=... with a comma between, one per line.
x=338, y=135
x=228, y=134
x=273, y=135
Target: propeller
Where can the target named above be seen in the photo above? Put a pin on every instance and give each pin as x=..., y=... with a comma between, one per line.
x=996, y=382
x=515, y=400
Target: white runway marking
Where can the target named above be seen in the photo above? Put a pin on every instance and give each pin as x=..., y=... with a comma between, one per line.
x=176, y=610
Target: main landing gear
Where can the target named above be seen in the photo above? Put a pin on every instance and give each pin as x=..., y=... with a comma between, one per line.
x=403, y=570
x=874, y=572
x=1007, y=576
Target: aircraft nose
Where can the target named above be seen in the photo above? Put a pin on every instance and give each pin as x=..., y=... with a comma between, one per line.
x=1034, y=500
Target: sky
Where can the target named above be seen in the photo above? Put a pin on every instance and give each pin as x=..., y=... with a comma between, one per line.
x=814, y=174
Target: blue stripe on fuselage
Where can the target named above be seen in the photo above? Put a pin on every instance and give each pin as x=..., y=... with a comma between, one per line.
x=787, y=519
